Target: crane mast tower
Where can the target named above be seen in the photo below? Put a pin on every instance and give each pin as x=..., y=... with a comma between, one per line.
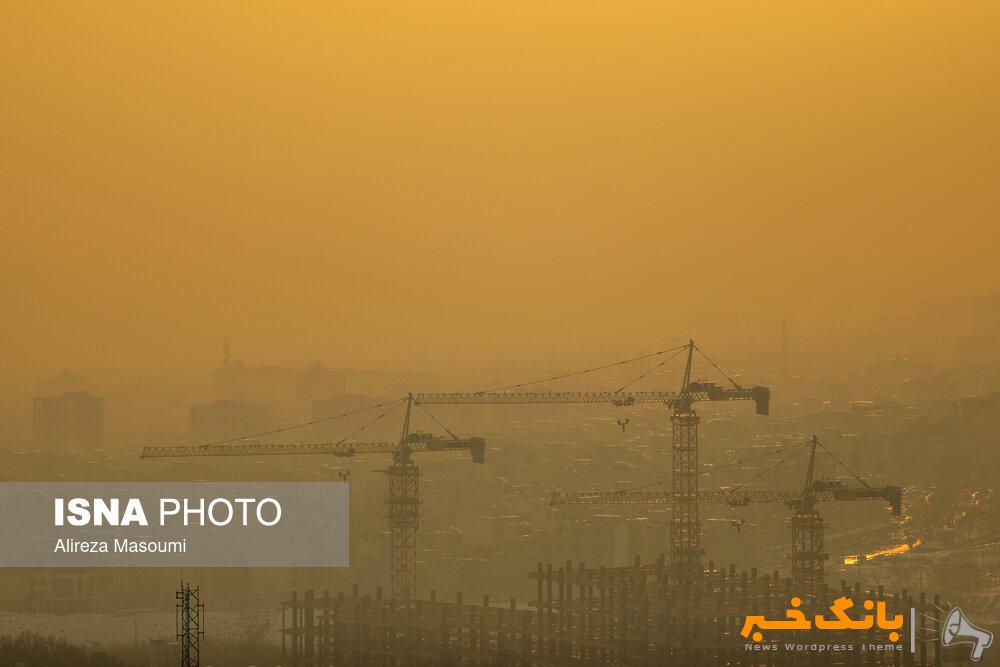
x=685, y=528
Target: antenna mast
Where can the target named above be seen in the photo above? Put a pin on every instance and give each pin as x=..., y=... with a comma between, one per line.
x=190, y=625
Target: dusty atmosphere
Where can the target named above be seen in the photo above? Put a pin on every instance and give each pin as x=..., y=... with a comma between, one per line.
x=726, y=272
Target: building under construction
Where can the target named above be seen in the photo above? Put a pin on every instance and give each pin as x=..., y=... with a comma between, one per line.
x=635, y=615
x=674, y=612
x=678, y=611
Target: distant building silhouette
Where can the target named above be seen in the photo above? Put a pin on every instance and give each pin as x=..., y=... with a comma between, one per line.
x=979, y=417
x=967, y=314
x=63, y=381
x=260, y=384
x=74, y=420
x=64, y=589
x=318, y=382
x=223, y=420
x=236, y=381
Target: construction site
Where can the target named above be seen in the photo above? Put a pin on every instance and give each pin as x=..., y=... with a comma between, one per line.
x=543, y=333
x=684, y=607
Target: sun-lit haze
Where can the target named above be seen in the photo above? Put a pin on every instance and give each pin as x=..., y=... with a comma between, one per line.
x=623, y=322
x=408, y=183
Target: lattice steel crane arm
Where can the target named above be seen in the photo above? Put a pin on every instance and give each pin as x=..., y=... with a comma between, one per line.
x=893, y=495
x=665, y=498
x=613, y=498
x=821, y=492
x=697, y=391
x=477, y=446
x=542, y=397
x=270, y=449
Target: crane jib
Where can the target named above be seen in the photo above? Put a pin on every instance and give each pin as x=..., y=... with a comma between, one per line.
x=833, y=492
x=475, y=446
x=699, y=392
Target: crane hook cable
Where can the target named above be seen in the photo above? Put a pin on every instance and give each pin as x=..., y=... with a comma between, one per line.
x=308, y=423
x=581, y=372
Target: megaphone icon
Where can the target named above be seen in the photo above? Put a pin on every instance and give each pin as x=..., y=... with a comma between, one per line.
x=958, y=629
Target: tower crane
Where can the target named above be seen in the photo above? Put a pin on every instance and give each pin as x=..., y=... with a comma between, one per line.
x=807, y=525
x=685, y=529
x=403, y=498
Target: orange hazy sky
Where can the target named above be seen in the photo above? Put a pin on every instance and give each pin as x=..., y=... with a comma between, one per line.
x=377, y=180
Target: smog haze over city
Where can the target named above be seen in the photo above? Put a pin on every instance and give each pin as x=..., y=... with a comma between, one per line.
x=281, y=220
